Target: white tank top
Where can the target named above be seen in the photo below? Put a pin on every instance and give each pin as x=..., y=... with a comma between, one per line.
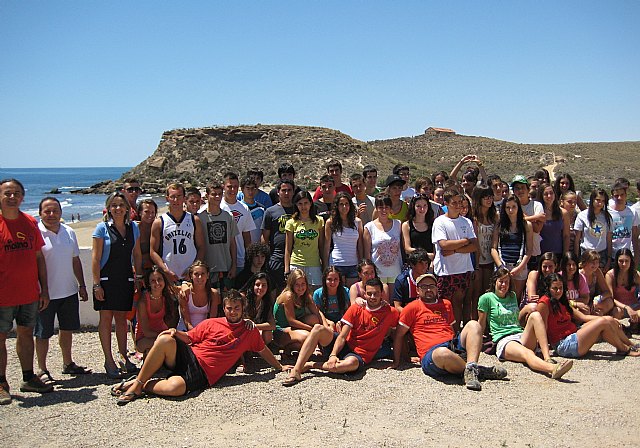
x=178, y=247
x=345, y=247
x=385, y=249
x=197, y=313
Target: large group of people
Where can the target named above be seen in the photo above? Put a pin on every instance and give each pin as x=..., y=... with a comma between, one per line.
x=432, y=273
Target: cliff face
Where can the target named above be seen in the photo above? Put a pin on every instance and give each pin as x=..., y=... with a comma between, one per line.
x=196, y=156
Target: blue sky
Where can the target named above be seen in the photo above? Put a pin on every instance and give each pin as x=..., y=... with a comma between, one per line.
x=87, y=83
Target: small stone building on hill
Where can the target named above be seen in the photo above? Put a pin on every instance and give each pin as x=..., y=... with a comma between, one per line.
x=440, y=132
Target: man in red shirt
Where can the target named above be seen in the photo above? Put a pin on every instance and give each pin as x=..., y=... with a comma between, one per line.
x=199, y=357
x=430, y=320
x=360, y=338
x=23, y=285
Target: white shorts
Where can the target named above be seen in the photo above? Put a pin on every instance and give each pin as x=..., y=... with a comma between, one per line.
x=313, y=273
x=502, y=343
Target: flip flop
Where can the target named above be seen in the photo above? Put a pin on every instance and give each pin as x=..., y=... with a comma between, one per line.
x=128, y=397
x=562, y=368
x=633, y=351
x=119, y=388
x=75, y=369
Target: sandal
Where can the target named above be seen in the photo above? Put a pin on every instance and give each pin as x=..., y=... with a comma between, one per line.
x=561, y=369
x=119, y=388
x=128, y=397
x=632, y=351
x=75, y=369
x=46, y=377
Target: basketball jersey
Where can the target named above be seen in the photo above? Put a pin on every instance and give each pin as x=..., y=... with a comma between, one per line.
x=177, y=246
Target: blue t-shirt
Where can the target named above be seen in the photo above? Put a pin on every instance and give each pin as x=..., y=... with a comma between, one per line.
x=332, y=312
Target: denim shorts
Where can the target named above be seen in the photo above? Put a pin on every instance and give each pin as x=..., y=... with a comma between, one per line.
x=24, y=315
x=348, y=271
x=568, y=347
x=429, y=366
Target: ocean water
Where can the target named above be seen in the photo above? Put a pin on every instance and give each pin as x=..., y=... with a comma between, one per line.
x=38, y=182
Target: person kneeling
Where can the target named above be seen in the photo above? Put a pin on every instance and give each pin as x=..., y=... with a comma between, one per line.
x=199, y=357
x=430, y=320
x=362, y=333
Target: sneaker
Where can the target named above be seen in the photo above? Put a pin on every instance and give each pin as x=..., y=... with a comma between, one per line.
x=5, y=396
x=491, y=373
x=35, y=384
x=471, y=377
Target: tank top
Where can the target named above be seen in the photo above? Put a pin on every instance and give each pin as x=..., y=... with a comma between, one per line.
x=196, y=313
x=551, y=234
x=345, y=247
x=511, y=247
x=402, y=215
x=485, y=235
x=385, y=249
x=177, y=246
x=420, y=239
x=281, y=318
x=156, y=320
x=628, y=297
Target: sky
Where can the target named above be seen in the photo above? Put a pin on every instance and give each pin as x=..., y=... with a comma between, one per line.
x=88, y=83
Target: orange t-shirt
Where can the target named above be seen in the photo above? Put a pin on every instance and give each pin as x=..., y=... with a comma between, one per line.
x=429, y=323
x=368, y=329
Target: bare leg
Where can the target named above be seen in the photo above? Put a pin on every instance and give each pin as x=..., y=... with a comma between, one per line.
x=163, y=352
x=25, y=346
x=516, y=352
x=42, y=348
x=65, y=338
x=449, y=361
x=319, y=334
x=471, y=340
x=104, y=331
x=121, y=331
x=457, y=299
x=518, y=287
x=3, y=354
x=348, y=364
x=591, y=331
x=535, y=333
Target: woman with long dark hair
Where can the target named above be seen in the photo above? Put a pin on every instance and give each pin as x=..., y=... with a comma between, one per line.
x=366, y=271
x=555, y=231
x=624, y=281
x=563, y=334
x=512, y=242
x=416, y=231
x=485, y=219
x=577, y=287
x=304, y=239
x=259, y=306
x=499, y=308
x=332, y=299
x=343, y=239
x=198, y=299
x=593, y=228
x=564, y=183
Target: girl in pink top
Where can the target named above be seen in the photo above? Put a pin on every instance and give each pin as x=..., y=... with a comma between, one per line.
x=624, y=281
x=577, y=287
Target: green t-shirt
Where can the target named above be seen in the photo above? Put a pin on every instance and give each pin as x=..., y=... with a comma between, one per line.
x=305, y=241
x=502, y=314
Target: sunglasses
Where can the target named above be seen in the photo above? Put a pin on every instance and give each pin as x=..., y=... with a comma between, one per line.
x=133, y=189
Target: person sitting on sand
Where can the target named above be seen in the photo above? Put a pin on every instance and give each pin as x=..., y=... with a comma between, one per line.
x=366, y=271
x=499, y=308
x=198, y=300
x=360, y=337
x=569, y=341
x=430, y=320
x=199, y=357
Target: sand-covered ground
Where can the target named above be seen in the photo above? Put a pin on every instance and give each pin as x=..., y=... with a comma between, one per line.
x=596, y=404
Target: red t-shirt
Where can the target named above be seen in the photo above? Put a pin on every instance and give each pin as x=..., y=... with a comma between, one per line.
x=368, y=329
x=559, y=325
x=20, y=240
x=342, y=188
x=218, y=344
x=429, y=323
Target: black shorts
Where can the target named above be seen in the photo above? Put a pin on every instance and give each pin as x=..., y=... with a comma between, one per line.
x=188, y=367
x=344, y=353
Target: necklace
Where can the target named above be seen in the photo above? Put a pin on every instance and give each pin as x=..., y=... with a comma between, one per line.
x=154, y=298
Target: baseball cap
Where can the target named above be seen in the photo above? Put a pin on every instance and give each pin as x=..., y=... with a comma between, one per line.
x=423, y=276
x=519, y=179
x=394, y=178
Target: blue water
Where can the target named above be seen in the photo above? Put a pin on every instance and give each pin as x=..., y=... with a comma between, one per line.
x=38, y=182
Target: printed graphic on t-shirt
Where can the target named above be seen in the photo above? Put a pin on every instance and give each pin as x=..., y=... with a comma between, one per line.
x=217, y=232
x=388, y=252
x=282, y=220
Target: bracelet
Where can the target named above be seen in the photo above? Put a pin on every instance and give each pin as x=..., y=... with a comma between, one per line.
x=139, y=276
x=332, y=355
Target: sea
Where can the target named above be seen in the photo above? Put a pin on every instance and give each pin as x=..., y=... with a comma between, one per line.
x=39, y=182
